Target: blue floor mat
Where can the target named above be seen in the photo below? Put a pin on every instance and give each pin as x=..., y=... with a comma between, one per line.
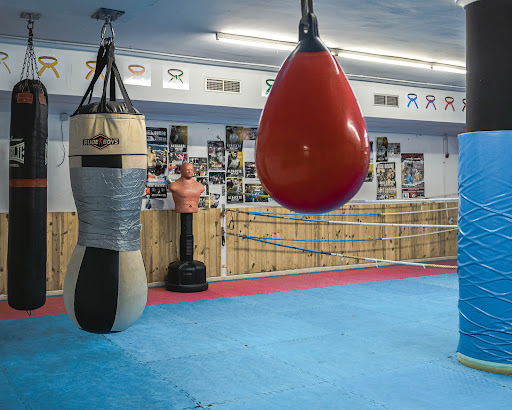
x=389, y=344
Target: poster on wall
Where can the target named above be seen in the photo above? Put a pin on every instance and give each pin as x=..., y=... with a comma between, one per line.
x=204, y=202
x=200, y=166
x=250, y=133
x=371, y=151
x=176, y=160
x=156, y=134
x=250, y=170
x=386, y=180
x=217, y=195
x=382, y=149
x=235, y=164
x=178, y=138
x=234, y=190
x=413, y=176
x=369, y=176
x=393, y=150
x=156, y=186
x=216, y=154
x=204, y=181
x=234, y=138
x=255, y=193
x=214, y=200
x=217, y=177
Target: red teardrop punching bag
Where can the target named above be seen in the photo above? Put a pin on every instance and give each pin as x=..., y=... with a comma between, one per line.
x=312, y=149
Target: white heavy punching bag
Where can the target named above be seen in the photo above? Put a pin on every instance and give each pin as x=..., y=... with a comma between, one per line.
x=105, y=289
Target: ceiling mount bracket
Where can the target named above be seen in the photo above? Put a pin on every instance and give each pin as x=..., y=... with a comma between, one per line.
x=26, y=15
x=108, y=15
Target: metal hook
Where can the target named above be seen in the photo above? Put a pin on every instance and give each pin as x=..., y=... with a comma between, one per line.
x=104, y=29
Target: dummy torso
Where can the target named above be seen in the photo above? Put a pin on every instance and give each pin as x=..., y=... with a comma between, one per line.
x=186, y=191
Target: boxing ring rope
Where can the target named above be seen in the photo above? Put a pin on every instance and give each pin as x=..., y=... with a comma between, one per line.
x=345, y=222
x=375, y=214
x=342, y=256
x=282, y=216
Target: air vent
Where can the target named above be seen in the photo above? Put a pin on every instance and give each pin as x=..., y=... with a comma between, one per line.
x=226, y=86
x=385, y=100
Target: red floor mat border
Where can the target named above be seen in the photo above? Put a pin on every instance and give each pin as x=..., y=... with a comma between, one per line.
x=229, y=288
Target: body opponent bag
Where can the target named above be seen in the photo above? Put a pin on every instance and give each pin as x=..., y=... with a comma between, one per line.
x=105, y=289
x=26, y=254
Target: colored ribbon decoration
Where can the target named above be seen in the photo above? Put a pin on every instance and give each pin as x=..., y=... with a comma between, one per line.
x=175, y=76
x=464, y=102
x=48, y=65
x=93, y=69
x=3, y=60
x=431, y=99
x=136, y=73
x=412, y=99
x=449, y=102
x=270, y=83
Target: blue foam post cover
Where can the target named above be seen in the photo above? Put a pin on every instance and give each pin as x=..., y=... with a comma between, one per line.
x=485, y=246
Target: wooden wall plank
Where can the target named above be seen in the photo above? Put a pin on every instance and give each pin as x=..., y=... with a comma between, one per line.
x=161, y=230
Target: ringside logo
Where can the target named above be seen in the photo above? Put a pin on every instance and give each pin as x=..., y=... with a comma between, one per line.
x=101, y=141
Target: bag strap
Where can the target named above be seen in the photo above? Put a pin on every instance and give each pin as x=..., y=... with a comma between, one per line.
x=100, y=65
x=106, y=58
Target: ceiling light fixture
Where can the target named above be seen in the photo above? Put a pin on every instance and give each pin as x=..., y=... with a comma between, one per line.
x=256, y=41
x=354, y=55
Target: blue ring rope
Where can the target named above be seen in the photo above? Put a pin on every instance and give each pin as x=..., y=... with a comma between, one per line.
x=313, y=240
x=288, y=246
x=285, y=213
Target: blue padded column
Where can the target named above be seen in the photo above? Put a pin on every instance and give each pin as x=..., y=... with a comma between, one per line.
x=485, y=250
x=485, y=188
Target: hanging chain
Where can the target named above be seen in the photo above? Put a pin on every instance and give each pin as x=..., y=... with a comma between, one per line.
x=30, y=68
x=107, y=40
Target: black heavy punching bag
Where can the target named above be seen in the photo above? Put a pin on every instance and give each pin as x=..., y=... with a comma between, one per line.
x=26, y=254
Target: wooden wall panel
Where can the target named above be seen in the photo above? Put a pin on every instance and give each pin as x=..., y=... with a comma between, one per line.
x=264, y=257
x=161, y=231
x=159, y=240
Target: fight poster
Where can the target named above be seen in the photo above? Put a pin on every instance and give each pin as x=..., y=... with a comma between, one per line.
x=154, y=134
x=234, y=190
x=214, y=200
x=369, y=175
x=250, y=133
x=156, y=186
x=250, y=170
x=393, y=150
x=176, y=160
x=382, y=149
x=413, y=176
x=217, y=178
x=234, y=138
x=178, y=138
x=200, y=166
x=235, y=164
x=216, y=152
x=204, y=202
x=255, y=193
x=204, y=181
x=386, y=180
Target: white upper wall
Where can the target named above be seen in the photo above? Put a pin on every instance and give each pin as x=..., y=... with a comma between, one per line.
x=440, y=172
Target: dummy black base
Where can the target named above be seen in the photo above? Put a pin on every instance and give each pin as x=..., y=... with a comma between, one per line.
x=186, y=276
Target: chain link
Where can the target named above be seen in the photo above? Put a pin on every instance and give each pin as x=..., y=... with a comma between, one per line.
x=30, y=68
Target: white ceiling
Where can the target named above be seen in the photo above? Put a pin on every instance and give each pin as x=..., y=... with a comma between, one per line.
x=428, y=29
